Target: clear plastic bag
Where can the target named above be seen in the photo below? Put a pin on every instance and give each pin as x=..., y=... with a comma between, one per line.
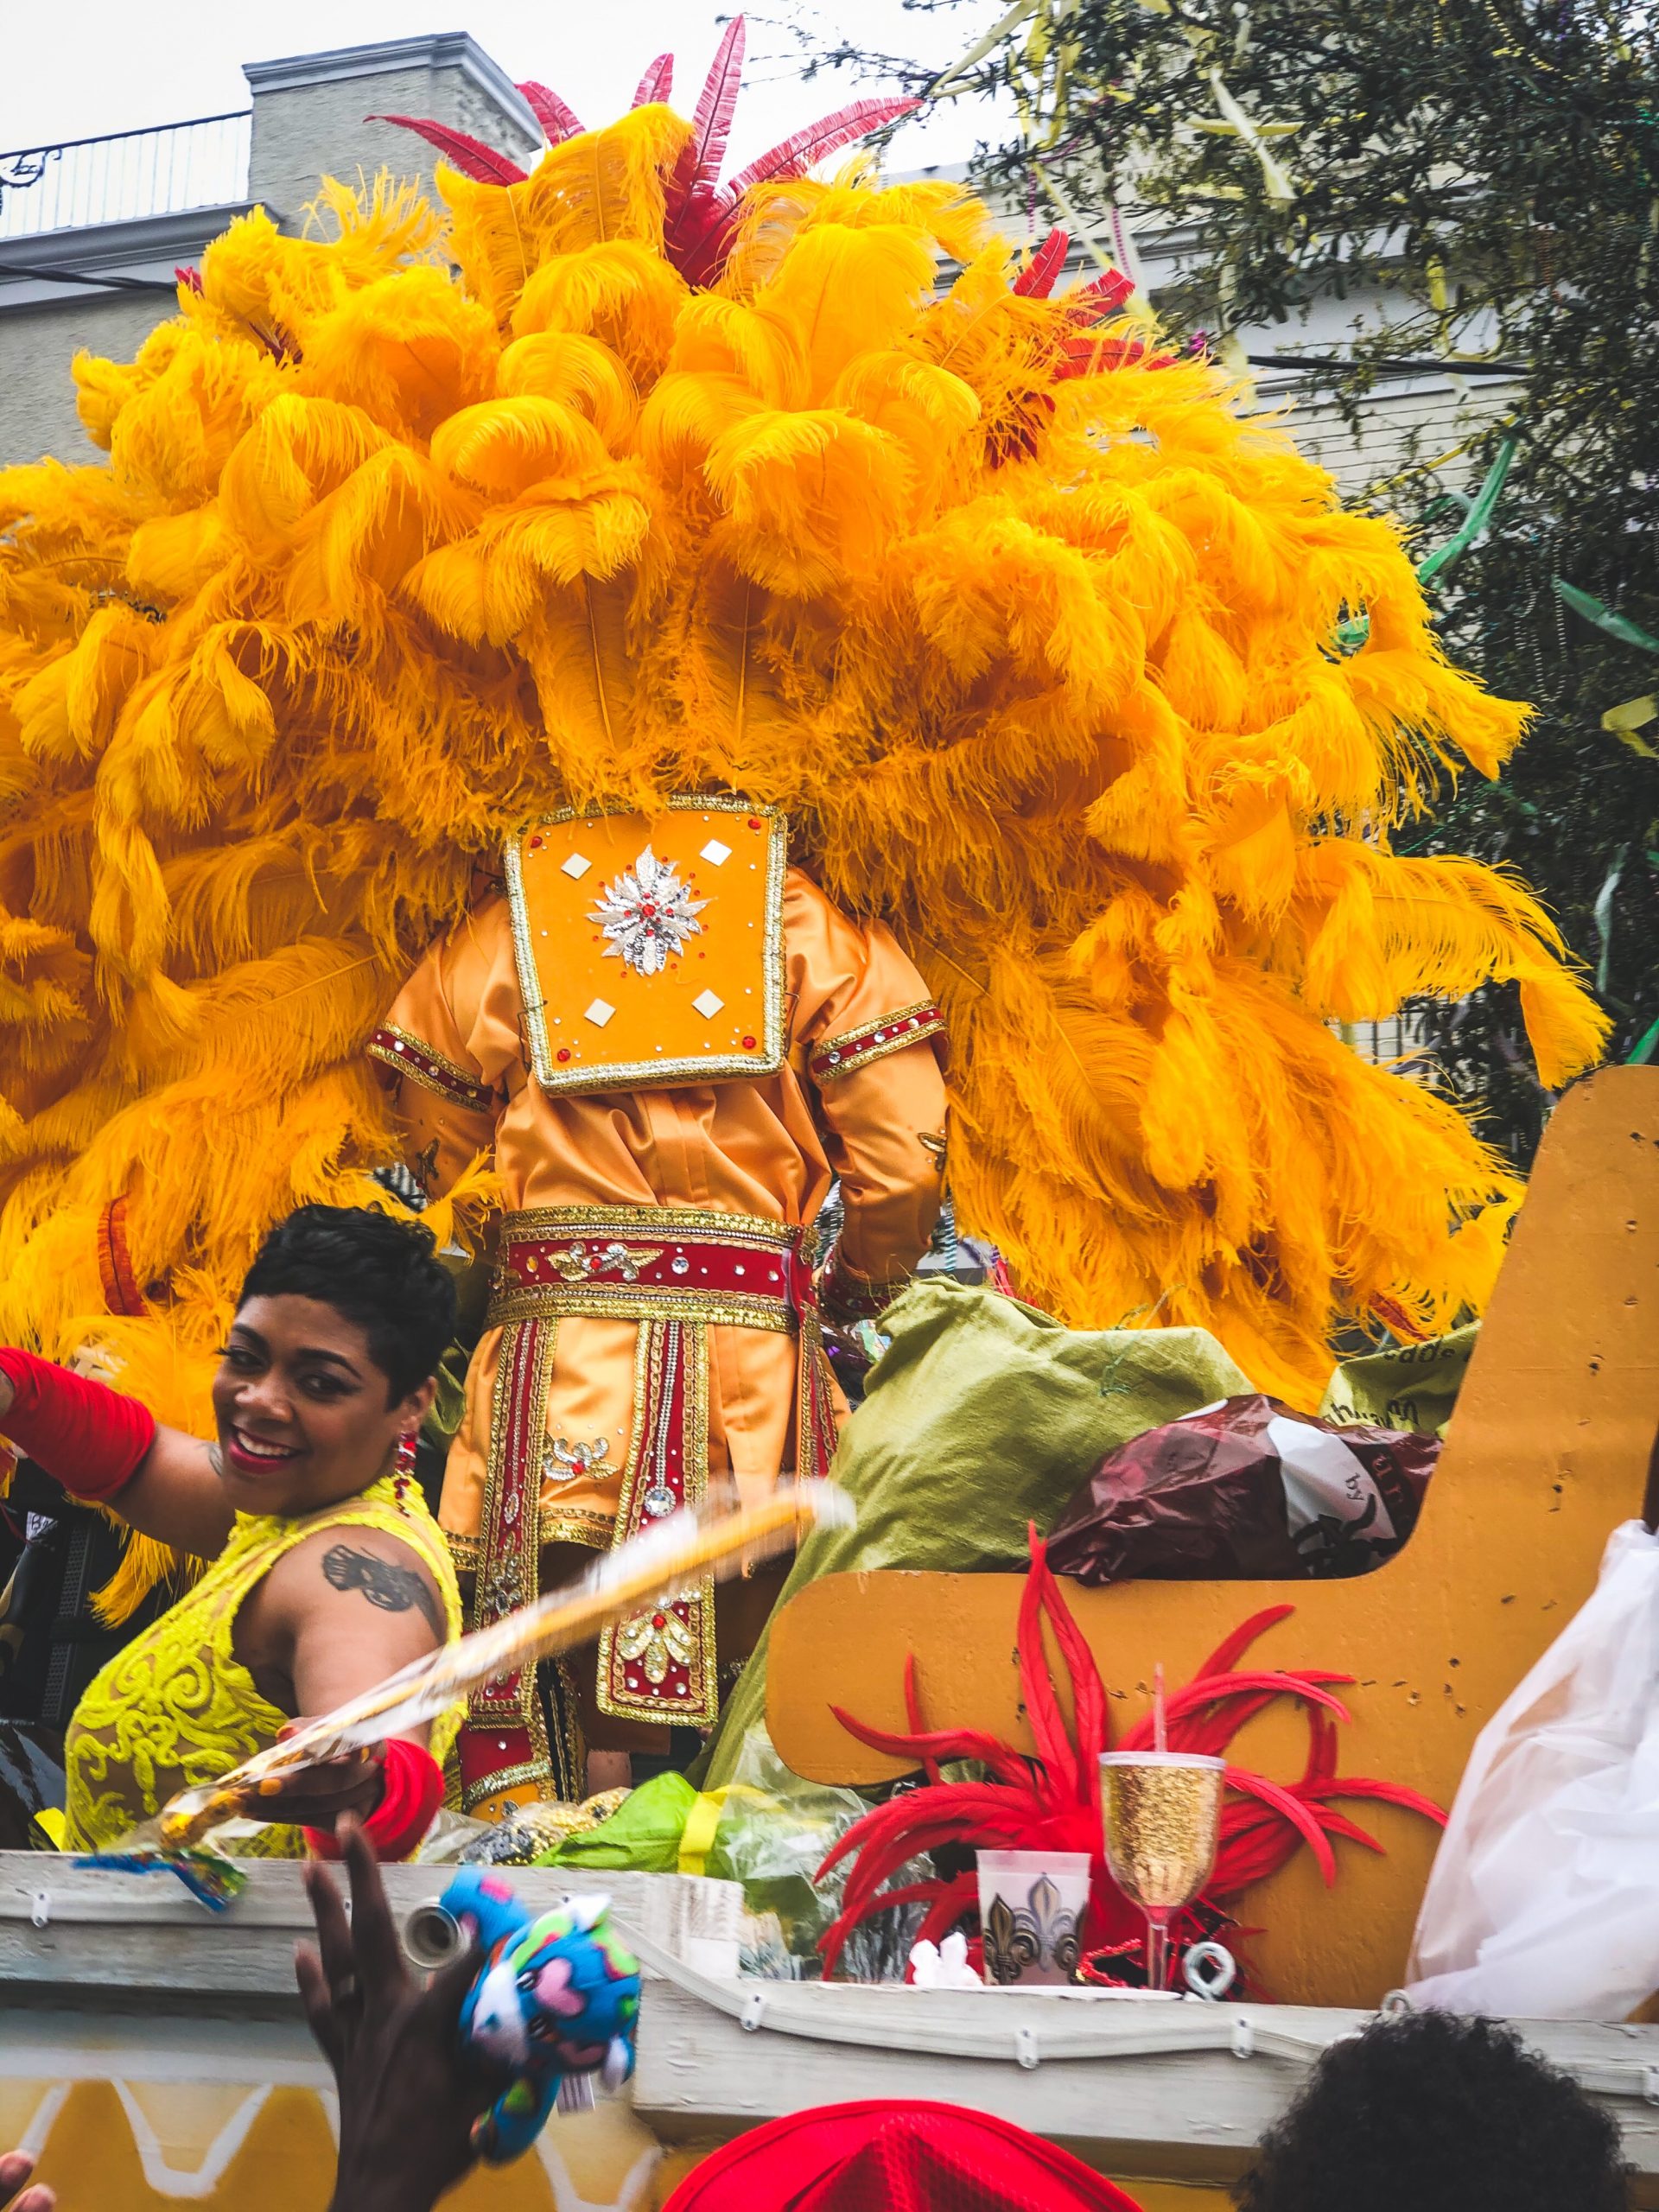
x=774, y=1831
x=1543, y=1902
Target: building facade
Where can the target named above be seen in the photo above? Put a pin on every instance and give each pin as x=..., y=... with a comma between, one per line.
x=91, y=233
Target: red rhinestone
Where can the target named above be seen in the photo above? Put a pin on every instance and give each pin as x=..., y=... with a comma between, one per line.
x=535, y=844
x=564, y=1052
x=748, y=1043
x=659, y=1620
x=754, y=822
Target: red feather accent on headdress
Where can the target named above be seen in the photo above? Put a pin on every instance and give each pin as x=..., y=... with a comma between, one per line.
x=470, y=155
x=697, y=173
x=657, y=83
x=794, y=156
x=705, y=238
x=557, y=119
x=1101, y=296
x=1039, y=277
x=700, y=214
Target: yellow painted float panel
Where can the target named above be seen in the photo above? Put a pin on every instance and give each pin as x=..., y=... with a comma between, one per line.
x=151, y=2146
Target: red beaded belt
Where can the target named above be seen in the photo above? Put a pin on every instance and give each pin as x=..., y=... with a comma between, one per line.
x=677, y=1272
x=638, y=1263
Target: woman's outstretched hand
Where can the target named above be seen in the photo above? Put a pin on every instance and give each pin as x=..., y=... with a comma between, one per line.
x=15, y=2167
x=406, y=2107
x=320, y=1795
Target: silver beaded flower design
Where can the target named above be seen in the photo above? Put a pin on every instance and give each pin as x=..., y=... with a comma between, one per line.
x=648, y=914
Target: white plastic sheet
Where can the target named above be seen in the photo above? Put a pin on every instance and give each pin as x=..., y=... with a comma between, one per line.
x=1544, y=1902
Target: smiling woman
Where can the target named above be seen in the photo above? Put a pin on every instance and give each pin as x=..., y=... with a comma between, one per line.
x=328, y=1572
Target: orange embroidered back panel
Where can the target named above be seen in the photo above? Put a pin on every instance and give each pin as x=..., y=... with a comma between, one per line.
x=650, y=947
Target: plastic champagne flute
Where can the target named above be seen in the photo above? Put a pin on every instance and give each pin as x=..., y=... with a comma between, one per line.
x=1162, y=1813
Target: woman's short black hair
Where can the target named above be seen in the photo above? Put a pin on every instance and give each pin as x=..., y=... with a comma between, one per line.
x=379, y=1273
x=1427, y=2112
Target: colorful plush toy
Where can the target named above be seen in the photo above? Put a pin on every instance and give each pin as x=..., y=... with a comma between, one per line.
x=558, y=1996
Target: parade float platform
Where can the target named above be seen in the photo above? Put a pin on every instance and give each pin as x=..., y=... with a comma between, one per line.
x=155, y=2056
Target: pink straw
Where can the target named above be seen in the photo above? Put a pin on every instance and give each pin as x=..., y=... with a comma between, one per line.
x=1159, y=1732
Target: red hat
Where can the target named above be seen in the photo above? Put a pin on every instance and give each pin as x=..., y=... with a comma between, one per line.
x=909, y=2156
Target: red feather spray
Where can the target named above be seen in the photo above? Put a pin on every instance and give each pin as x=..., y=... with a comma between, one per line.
x=1053, y=1802
x=696, y=173
x=1037, y=279
x=657, y=83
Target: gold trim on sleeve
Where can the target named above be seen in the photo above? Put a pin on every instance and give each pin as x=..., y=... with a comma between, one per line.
x=433, y=1070
x=839, y=1057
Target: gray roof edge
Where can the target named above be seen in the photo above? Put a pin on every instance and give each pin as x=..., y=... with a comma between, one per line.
x=117, y=246
x=456, y=50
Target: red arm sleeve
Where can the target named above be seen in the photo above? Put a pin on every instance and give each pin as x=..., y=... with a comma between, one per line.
x=89, y=1437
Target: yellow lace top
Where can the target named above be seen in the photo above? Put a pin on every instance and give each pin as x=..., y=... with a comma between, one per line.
x=176, y=1707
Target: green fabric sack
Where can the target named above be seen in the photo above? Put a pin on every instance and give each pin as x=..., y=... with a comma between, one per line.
x=982, y=1415
x=1414, y=1385
x=642, y=1836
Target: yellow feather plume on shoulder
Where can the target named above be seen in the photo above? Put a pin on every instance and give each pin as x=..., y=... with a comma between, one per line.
x=452, y=512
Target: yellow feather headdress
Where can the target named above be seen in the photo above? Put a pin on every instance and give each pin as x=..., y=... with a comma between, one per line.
x=1036, y=636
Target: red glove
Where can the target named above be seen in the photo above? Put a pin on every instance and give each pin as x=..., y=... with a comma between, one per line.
x=89, y=1437
x=411, y=1792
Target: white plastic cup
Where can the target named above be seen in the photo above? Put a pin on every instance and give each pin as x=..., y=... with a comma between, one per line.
x=1031, y=1908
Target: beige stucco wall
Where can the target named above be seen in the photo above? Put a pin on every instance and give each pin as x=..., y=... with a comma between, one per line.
x=37, y=394
x=309, y=120
x=302, y=132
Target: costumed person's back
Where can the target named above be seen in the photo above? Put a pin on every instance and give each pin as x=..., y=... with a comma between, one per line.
x=674, y=1043
x=615, y=484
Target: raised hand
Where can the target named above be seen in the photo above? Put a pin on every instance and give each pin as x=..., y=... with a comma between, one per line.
x=406, y=2107
x=15, y=2167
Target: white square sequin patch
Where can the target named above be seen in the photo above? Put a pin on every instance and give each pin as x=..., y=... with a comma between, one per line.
x=599, y=1013
x=575, y=868
x=714, y=853
x=707, y=1005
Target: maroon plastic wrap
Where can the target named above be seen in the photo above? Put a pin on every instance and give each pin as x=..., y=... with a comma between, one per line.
x=1245, y=1490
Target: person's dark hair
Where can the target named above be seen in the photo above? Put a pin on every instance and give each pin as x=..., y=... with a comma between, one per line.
x=1426, y=2112
x=379, y=1273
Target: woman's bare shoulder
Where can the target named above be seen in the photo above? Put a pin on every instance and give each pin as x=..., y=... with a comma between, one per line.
x=350, y=1565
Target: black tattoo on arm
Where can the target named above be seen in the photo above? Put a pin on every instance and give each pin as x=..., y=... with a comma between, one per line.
x=394, y=1589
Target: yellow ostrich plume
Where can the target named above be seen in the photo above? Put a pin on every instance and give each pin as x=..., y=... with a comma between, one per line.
x=610, y=481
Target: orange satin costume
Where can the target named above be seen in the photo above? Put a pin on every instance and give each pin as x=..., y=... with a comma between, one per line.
x=607, y=1190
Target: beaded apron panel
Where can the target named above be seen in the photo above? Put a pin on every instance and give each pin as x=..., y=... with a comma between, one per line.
x=677, y=1273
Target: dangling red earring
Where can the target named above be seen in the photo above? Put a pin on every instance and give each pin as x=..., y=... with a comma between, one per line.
x=403, y=1464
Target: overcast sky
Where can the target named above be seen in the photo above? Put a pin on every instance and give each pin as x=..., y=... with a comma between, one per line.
x=79, y=68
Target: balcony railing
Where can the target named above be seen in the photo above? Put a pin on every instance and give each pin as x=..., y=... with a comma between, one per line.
x=123, y=177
